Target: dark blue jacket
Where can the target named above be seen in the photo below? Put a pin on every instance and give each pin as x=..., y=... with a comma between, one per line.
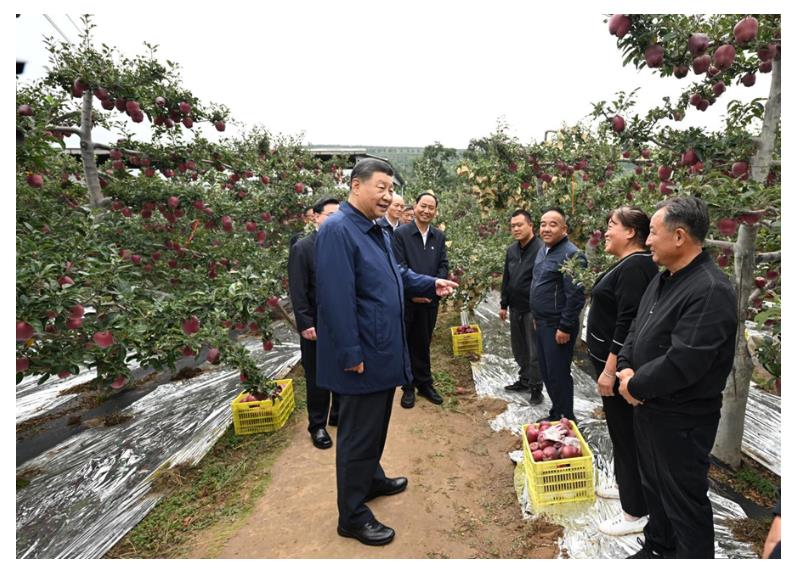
x=359, y=291
x=554, y=298
x=410, y=251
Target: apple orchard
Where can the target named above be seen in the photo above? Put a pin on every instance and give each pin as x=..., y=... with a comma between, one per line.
x=174, y=246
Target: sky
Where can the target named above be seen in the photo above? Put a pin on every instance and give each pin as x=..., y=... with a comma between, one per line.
x=407, y=74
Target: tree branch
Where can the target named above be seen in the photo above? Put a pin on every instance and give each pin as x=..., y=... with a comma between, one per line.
x=720, y=244
x=767, y=257
x=66, y=130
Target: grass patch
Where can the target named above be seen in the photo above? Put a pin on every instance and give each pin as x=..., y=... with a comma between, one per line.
x=752, y=480
x=223, y=487
x=751, y=530
x=449, y=372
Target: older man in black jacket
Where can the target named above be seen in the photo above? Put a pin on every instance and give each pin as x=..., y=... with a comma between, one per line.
x=302, y=288
x=516, y=281
x=422, y=248
x=673, y=369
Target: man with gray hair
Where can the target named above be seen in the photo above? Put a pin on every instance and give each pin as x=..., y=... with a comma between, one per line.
x=393, y=216
x=673, y=369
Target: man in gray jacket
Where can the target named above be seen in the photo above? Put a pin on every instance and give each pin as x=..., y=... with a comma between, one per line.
x=517, y=279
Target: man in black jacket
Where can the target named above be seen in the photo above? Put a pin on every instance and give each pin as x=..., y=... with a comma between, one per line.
x=673, y=369
x=302, y=288
x=422, y=248
x=556, y=302
x=517, y=279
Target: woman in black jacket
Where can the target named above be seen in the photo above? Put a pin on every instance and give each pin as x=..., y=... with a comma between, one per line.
x=615, y=298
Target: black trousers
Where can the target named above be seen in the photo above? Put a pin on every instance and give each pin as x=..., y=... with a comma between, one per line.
x=555, y=369
x=620, y=422
x=524, y=341
x=420, y=319
x=674, y=468
x=362, y=430
x=318, y=398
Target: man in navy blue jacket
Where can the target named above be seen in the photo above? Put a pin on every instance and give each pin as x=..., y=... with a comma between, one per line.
x=361, y=342
x=556, y=302
x=422, y=248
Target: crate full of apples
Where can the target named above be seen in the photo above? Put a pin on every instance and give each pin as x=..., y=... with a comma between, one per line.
x=466, y=339
x=558, y=463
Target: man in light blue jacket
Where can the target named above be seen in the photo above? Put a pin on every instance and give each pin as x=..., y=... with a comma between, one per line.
x=362, y=347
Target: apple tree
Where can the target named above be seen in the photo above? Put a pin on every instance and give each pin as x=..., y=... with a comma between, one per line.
x=171, y=246
x=736, y=170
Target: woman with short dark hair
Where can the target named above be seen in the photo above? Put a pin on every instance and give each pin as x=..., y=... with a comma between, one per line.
x=614, y=301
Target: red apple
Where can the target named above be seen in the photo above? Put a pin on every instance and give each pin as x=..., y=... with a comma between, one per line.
x=697, y=43
x=132, y=106
x=767, y=53
x=64, y=374
x=618, y=123
x=191, y=325
x=760, y=282
x=689, y=157
x=703, y=105
x=739, y=170
x=213, y=356
x=24, y=330
x=745, y=30
x=103, y=339
x=680, y=71
x=108, y=104
x=727, y=226
x=748, y=79
x=188, y=122
x=619, y=25
x=160, y=101
x=701, y=64
x=267, y=345
x=724, y=56
x=766, y=67
x=187, y=351
x=137, y=116
x=665, y=188
x=23, y=364
x=695, y=99
x=35, y=180
x=654, y=55
x=645, y=152
x=184, y=107
x=174, y=202
x=273, y=301
x=723, y=260
x=719, y=88
x=219, y=124
x=299, y=187
x=65, y=281
x=119, y=382
x=772, y=275
x=25, y=110
x=664, y=172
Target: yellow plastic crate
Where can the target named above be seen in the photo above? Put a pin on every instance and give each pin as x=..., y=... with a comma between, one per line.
x=265, y=415
x=469, y=343
x=561, y=481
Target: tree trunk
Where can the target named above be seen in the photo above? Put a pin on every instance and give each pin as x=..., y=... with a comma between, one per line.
x=728, y=443
x=87, y=153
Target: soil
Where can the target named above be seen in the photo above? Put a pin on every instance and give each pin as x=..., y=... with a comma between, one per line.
x=460, y=501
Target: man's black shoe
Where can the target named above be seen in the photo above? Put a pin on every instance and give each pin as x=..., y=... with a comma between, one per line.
x=536, y=397
x=370, y=533
x=517, y=386
x=429, y=392
x=647, y=552
x=387, y=487
x=408, y=399
x=321, y=438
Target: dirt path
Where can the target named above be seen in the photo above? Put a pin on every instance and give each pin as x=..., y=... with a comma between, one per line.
x=460, y=501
